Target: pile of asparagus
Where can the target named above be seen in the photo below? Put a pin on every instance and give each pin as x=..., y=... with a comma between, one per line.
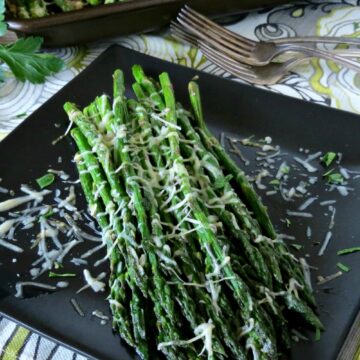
x=196, y=266
x=26, y=9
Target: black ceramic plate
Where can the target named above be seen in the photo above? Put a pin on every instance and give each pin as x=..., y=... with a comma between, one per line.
x=230, y=107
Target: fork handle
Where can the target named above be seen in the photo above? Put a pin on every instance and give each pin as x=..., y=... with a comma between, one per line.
x=317, y=39
x=313, y=52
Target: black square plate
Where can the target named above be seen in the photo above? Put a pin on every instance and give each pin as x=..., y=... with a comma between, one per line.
x=236, y=109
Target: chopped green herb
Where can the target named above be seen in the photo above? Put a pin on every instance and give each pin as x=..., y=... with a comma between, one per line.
x=328, y=158
x=48, y=214
x=286, y=221
x=274, y=182
x=21, y=115
x=54, y=275
x=45, y=180
x=335, y=178
x=317, y=334
x=343, y=267
x=349, y=250
x=328, y=172
x=285, y=169
x=297, y=246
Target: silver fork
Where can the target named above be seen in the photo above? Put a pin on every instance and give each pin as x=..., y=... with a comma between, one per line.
x=181, y=34
x=243, y=49
x=261, y=75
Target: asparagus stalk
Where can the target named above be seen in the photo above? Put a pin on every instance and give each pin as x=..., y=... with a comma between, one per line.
x=183, y=295
x=213, y=145
x=236, y=206
x=267, y=251
x=261, y=334
x=136, y=275
x=216, y=174
x=168, y=172
x=288, y=265
x=89, y=171
x=163, y=291
x=98, y=111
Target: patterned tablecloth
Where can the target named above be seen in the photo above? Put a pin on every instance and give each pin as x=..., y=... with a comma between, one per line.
x=318, y=81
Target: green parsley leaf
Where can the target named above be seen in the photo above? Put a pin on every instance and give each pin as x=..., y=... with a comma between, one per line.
x=328, y=158
x=26, y=63
x=45, y=180
x=348, y=250
x=343, y=267
x=335, y=178
x=54, y=275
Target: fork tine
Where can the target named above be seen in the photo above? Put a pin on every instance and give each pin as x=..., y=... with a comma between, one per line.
x=243, y=69
x=182, y=35
x=227, y=68
x=182, y=39
x=229, y=35
x=207, y=32
x=215, y=34
x=210, y=28
x=238, y=53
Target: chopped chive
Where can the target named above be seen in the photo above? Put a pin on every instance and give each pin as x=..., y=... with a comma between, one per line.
x=21, y=115
x=317, y=334
x=349, y=250
x=45, y=180
x=54, y=275
x=328, y=158
x=297, y=246
x=328, y=172
x=274, y=182
x=335, y=178
x=285, y=169
x=343, y=267
x=48, y=214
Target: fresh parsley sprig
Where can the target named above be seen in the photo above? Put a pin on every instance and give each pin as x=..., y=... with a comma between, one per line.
x=24, y=59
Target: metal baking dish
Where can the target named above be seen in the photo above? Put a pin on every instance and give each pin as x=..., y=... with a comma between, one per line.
x=93, y=23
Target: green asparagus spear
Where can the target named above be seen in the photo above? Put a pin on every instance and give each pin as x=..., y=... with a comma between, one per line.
x=208, y=241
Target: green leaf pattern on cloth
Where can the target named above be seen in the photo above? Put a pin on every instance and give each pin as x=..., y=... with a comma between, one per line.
x=319, y=81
